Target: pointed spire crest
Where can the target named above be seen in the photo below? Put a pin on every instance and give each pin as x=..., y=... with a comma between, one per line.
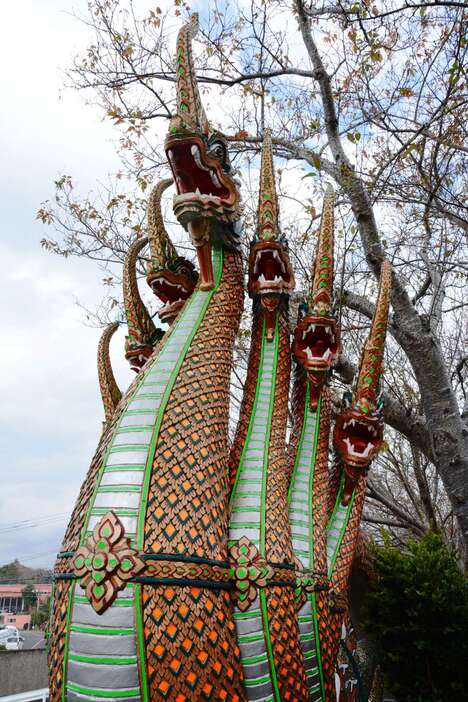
x=358, y=433
x=371, y=367
x=189, y=104
x=317, y=334
x=161, y=247
x=268, y=210
x=321, y=292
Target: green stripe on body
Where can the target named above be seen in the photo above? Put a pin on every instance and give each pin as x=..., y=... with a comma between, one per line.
x=103, y=660
x=297, y=485
x=117, y=603
x=268, y=353
x=267, y=436
x=101, y=631
x=271, y=660
x=107, y=694
x=217, y=260
x=337, y=523
x=181, y=336
x=71, y=592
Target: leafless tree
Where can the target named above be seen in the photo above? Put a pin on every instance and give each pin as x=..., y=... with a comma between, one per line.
x=371, y=96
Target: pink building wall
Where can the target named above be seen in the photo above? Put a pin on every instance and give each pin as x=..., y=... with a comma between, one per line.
x=20, y=621
x=11, y=604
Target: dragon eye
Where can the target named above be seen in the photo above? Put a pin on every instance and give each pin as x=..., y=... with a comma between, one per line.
x=218, y=149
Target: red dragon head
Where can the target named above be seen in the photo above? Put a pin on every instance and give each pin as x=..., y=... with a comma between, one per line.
x=142, y=333
x=171, y=277
x=316, y=338
x=358, y=430
x=207, y=201
x=270, y=273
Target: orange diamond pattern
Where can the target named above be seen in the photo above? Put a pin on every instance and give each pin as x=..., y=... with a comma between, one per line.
x=198, y=662
x=284, y=636
x=57, y=639
x=187, y=514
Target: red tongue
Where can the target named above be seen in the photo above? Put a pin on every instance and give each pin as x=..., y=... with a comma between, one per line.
x=319, y=348
x=359, y=445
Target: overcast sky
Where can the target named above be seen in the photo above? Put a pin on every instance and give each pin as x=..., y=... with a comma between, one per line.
x=50, y=409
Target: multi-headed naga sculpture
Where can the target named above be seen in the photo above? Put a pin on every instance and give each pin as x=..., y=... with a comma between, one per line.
x=191, y=569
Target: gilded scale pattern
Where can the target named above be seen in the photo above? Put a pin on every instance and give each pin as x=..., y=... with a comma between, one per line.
x=181, y=560
x=187, y=514
x=259, y=495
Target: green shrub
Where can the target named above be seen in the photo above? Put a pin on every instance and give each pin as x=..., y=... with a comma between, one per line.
x=417, y=613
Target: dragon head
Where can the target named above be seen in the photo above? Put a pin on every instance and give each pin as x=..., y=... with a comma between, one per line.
x=142, y=333
x=137, y=351
x=171, y=277
x=207, y=203
x=271, y=277
x=316, y=338
x=358, y=430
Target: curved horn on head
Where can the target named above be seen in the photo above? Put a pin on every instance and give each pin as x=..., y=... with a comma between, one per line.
x=161, y=247
x=189, y=104
x=141, y=329
x=268, y=210
x=110, y=392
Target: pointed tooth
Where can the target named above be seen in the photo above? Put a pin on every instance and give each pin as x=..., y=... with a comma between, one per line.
x=196, y=157
x=215, y=179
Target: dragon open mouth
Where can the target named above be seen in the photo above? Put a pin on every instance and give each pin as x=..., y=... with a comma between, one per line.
x=357, y=439
x=316, y=342
x=270, y=269
x=270, y=275
x=203, y=188
x=206, y=193
x=193, y=176
x=173, y=291
x=137, y=360
x=363, y=439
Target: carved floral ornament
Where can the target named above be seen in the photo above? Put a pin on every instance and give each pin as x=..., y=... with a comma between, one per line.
x=311, y=580
x=250, y=572
x=106, y=562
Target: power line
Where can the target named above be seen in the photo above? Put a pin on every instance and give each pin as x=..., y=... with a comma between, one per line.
x=33, y=523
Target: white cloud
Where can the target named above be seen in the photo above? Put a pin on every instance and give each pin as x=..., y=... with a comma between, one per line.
x=50, y=411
